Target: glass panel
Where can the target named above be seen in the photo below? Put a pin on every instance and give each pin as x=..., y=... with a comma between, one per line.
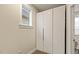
x=77, y=25
x=25, y=15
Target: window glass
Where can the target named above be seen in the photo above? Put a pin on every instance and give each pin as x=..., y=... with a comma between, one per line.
x=77, y=25
x=26, y=16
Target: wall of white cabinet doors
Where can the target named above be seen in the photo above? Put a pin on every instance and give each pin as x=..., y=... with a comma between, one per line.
x=51, y=30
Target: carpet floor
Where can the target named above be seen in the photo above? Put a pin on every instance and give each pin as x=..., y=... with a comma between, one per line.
x=39, y=52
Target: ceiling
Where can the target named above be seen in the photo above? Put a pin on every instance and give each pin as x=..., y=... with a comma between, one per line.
x=42, y=7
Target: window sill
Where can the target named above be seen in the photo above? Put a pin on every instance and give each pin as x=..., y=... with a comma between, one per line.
x=23, y=26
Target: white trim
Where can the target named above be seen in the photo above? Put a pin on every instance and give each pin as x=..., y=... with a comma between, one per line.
x=30, y=52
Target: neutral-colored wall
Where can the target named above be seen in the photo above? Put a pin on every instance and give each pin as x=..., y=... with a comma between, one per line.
x=69, y=28
x=12, y=38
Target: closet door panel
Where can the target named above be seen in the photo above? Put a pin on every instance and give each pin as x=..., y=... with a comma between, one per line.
x=48, y=31
x=40, y=31
x=59, y=30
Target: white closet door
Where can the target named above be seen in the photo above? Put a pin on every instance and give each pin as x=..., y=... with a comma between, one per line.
x=48, y=31
x=40, y=31
x=59, y=30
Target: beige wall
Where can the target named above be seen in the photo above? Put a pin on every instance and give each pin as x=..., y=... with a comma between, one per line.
x=12, y=38
x=69, y=19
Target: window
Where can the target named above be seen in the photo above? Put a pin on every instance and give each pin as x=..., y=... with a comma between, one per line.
x=26, y=17
x=77, y=25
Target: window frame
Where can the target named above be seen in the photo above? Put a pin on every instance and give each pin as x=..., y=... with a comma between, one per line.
x=22, y=24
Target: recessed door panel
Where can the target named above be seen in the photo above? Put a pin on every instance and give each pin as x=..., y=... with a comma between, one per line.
x=48, y=31
x=40, y=31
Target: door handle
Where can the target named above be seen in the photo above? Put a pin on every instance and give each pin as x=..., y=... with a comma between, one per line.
x=43, y=33
x=43, y=38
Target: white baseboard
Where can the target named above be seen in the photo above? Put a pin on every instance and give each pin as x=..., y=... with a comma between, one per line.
x=30, y=52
